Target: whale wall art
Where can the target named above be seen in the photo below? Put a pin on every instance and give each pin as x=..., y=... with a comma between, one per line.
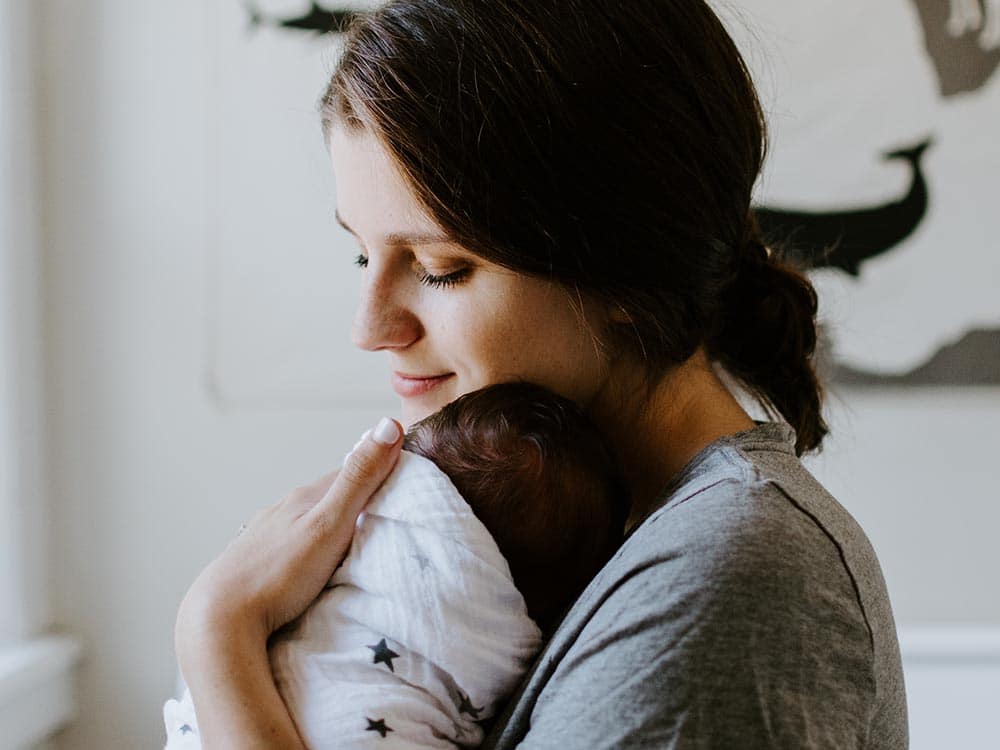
x=313, y=18
x=883, y=179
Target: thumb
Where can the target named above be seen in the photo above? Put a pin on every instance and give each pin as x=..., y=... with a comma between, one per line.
x=364, y=470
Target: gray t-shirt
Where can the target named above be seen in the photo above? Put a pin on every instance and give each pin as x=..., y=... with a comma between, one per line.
x=748, y=610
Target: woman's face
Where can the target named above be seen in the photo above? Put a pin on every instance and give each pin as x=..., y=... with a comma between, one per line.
x=449, y=321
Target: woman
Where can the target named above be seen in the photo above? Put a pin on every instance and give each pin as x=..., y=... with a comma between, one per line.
x=560, y=193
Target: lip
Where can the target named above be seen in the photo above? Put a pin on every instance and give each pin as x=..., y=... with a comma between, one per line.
x=409, y=386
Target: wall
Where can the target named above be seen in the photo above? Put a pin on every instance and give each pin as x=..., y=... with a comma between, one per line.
x=918, y=469
x=23, y=504
x=151, y=472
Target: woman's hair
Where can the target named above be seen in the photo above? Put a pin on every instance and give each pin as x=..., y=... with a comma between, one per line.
x=612, y=148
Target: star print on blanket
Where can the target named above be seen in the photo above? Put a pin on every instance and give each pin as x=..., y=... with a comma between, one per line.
x=384, y=655
x=465, y=706
x=378, y=726
x=417, y=638
x=421, y=627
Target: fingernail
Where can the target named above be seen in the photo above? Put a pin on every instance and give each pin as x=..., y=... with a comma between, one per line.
x=386, y=432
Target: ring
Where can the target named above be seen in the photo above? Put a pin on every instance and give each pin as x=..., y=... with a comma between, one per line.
x=241, y=529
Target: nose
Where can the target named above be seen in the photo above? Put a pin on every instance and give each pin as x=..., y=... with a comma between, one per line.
x=383, y=319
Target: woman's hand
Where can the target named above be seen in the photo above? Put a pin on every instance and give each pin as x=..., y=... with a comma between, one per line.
x=271, y=572
x=266, y=577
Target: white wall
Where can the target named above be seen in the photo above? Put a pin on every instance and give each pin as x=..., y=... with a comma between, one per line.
x=151, y=474
x=23, y=501
x=919, y=469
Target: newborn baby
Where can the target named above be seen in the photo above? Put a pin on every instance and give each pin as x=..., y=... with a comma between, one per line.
x=502, y=508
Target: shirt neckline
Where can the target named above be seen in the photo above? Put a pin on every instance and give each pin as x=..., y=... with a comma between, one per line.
x=763, y=436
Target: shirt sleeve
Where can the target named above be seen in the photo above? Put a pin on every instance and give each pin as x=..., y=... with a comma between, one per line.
x=744, y=631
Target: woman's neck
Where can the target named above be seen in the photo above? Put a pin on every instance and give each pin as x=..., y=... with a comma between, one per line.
x=656, y=437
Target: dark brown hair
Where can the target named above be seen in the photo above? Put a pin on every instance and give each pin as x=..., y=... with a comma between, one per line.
x=542, y=479
x=610, y=147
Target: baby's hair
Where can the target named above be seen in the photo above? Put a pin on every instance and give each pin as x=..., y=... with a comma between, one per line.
x=541, y=478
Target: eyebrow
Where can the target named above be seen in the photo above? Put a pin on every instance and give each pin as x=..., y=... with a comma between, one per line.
x=403, y=238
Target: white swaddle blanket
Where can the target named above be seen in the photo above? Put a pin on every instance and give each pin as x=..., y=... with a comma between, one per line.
x=419, y=634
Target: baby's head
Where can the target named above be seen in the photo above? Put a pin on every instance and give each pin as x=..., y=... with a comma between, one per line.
x=540, y=477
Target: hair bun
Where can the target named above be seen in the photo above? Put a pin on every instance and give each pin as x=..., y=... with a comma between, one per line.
x=755, y=252
x=767, y=338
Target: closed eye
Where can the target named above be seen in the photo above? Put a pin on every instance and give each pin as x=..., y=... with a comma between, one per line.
x=428, y=279
x=447, y=280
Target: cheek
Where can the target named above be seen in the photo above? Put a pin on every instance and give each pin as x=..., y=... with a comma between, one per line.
x=558, y=351
x=538, y=340
x=480, y=338
x=488, y=347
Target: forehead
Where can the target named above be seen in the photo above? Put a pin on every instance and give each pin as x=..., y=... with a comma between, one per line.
x=373, y=197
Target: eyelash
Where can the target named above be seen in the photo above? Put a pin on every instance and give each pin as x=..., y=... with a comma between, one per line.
x=447, y=280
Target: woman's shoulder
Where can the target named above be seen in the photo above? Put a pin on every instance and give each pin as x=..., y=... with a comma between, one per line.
x=749, y=602
x=746, y=513
x=743, y=493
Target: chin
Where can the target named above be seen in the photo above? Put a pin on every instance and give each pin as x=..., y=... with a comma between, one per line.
x=415, y=409
x=413, y=413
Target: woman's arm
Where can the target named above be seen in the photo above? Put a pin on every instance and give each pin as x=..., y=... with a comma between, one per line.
x=237, y=703
x=266, y=577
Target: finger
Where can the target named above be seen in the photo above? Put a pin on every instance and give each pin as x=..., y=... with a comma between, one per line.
x=323, y=483
x=313, y=492
x=303, y=499
x=255, y=518
x=363, y=472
